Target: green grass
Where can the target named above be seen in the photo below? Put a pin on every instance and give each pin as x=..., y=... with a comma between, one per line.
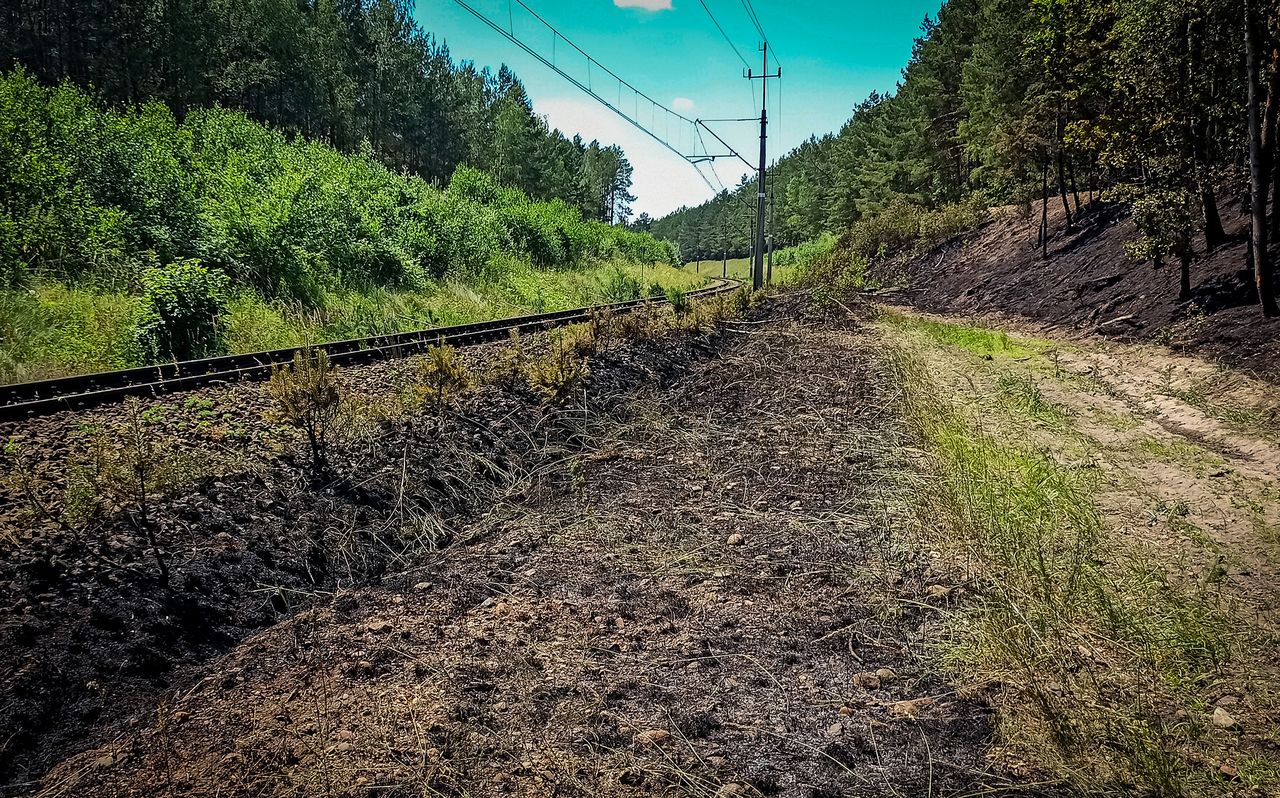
x=1104, y=663
x=1023, y=392
x=788, y=263
x=1214, y=402
x=980, y=341
x=1177, y=450
x=1121, y=422
x=736, y=268
x=56, y=330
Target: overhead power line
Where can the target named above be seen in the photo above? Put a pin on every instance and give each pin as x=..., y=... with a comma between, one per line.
x=727, y=40
x=588, y=88
x=751, y=14
x=750, y=8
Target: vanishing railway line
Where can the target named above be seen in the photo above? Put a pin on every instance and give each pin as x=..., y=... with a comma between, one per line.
x=31, y=399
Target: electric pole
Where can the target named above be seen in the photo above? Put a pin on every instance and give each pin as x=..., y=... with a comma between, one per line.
x=757, y=270
x=773, y=221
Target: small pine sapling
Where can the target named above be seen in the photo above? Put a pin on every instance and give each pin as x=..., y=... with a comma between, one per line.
x=443, y=377
x=309, y=397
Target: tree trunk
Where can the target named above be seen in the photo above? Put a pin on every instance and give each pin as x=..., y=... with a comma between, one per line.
x=1062, y=190
x=1044, y=211
x=1270, y=131
x=1214, y=233
x=1275, y=192
x=1075, y=187
x=1184, y=288
x=1259, y=158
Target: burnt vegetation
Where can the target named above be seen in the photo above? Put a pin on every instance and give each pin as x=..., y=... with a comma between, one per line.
x=143, y=540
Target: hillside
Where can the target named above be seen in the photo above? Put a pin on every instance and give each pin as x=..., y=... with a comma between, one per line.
x=128, y=235
x=1089, y=282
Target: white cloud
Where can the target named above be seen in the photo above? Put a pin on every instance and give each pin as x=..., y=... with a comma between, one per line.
x=662, y=180
x=682, y=104
x=647, y=5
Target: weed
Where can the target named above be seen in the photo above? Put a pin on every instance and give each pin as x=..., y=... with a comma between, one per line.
x=1024, y=393
x=980, y=341
x=678, y=300
x=127, y=467
x=507, y=368
x=619, y=286
x=1179, y=450
x=309, y=397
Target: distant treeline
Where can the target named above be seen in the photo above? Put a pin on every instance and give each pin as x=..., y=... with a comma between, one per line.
x=1168, y=106
x=351, y=73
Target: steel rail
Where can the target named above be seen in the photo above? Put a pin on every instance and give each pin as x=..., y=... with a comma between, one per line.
x=32, y=399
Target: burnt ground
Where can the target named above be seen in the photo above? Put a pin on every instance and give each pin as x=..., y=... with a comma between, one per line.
x=1090, y=283
x=693, y=584
x=93, y=633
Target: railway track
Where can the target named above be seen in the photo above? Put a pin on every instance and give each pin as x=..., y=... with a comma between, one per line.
x=31, y=399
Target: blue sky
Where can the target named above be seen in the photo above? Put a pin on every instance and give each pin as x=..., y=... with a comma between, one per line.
x=833, y=54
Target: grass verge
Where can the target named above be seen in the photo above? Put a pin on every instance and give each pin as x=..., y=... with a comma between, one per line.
x=56, y=330
x=1114, y=680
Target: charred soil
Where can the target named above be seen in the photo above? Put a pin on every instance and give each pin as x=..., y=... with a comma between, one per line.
x=690, y=582
x=108, y=610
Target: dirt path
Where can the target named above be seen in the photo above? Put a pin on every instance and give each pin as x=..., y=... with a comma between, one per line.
x=705, y=596
x=1194, y=465
x=1189, y=450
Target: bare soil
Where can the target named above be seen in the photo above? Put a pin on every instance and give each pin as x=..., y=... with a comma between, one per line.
x=1089, y=283
x=1192, y=463
x=1189, y=449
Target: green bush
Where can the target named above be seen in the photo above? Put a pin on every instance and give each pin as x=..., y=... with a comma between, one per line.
x=618, y=286
x=99, y=195
x=949, y=222
x=181, y=305
x=793, y=264
x=319, y=244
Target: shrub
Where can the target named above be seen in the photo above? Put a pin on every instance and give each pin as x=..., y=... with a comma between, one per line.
x=904, y=225
x=1164, y=220
x=443, y=376
x=890, y=230
x=950, y=221
x=308, y=396
x=181, y=305
x=96, y=194
x=474, y=186
x=621, y=287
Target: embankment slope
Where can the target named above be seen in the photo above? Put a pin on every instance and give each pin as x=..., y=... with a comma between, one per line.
x=1088, y=282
